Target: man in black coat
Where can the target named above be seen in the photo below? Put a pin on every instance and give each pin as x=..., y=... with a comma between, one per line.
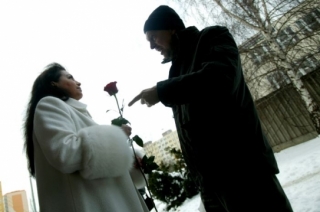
x=218, y=126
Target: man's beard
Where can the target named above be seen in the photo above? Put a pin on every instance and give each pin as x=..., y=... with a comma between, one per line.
x=167, y=58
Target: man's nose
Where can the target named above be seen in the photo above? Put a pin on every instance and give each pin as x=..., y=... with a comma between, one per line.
x=152, y=45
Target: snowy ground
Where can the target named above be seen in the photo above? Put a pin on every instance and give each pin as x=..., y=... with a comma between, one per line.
x=299, y=175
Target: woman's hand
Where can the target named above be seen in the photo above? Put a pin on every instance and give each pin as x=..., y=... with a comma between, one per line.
x=127, y=129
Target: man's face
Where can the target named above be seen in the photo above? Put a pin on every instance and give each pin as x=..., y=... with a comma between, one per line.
x=161, y=41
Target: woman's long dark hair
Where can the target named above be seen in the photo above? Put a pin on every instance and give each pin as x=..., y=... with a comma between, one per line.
x=42, y=87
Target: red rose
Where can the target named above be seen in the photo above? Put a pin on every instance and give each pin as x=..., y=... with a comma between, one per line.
x=111, y=88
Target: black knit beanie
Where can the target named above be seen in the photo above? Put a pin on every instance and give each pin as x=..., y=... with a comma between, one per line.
x=163, y=18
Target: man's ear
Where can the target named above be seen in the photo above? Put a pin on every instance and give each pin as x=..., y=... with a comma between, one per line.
x=173, y=31
x=53, y=84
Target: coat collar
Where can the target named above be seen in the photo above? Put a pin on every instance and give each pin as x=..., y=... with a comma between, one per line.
x=76, y=104
x=184, y=41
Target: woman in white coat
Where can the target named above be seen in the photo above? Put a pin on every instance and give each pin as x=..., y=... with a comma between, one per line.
x=79, y=166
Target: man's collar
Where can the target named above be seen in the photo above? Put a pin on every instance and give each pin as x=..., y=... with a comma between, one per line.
x=185, y=40
x=182, y=41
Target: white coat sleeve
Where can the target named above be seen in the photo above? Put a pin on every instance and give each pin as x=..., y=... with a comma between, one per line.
x=136, y=174
x=96, y=151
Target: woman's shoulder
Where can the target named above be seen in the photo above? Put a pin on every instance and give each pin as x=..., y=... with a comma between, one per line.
x=51, y=100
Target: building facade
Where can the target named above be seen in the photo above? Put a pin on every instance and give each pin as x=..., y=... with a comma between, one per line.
x=289, y=51
x=281, y=66
x=1, y=200
x=16, y=201
x=160, y=148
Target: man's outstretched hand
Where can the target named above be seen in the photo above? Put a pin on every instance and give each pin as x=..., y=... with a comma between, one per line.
x=148, y=96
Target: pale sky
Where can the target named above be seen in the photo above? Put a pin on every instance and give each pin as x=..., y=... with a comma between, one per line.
x=98, y=42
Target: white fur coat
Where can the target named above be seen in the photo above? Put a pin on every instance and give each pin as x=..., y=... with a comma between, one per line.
x=81, y=166
x=137, y=177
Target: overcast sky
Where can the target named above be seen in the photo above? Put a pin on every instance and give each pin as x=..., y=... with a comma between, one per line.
x=98, y=42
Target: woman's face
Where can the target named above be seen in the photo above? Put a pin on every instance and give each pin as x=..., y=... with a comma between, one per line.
x=70, y=85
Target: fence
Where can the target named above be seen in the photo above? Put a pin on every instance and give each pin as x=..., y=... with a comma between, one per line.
x=284, y=116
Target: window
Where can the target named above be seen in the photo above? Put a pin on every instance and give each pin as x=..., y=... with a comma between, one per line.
x=306, y=65
x=286, y=37
x=260, y=53
x=310, y=22
x=278, y=79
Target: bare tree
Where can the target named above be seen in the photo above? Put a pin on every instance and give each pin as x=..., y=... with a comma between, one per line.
x=279, y=41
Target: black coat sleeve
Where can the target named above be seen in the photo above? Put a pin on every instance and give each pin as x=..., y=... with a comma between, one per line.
x=217, y=76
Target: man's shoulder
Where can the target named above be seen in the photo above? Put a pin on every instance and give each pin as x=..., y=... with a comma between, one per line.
x=216, y=34
x=214, y=29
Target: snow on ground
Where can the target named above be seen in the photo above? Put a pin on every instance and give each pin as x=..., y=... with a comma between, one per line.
x=299, y=176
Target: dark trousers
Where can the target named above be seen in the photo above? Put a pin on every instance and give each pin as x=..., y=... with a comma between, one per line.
x=254, y=193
